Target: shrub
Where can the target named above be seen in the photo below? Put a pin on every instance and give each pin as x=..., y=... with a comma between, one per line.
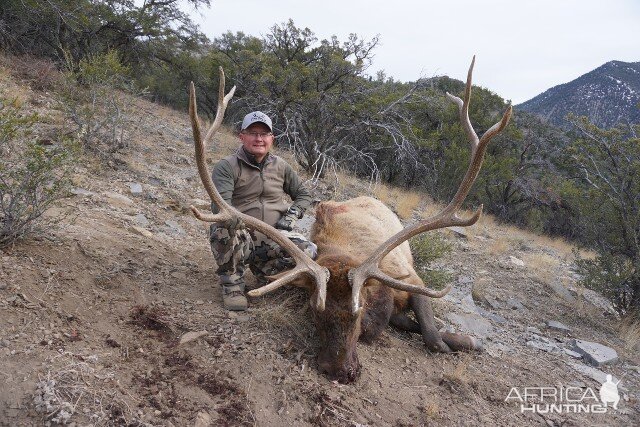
x=41, y=73
x=94, y=99
x=615, y=277
x=427, y=248
x=32, y=175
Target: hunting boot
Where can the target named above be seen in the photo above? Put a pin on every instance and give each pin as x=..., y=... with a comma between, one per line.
x=233, y=298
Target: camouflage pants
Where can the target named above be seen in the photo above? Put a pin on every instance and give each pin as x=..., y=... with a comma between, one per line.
x=233, y=252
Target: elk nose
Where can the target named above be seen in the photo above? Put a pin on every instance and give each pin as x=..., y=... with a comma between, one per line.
x=345, y=374
x=325, y=366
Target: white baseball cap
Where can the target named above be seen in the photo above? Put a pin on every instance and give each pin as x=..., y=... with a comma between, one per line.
x=256, y=116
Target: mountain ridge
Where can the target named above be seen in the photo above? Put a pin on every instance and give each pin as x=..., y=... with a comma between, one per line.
x=607, y=95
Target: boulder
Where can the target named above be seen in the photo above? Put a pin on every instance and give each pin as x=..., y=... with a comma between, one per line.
x=595, y=353
x=591, y=372
x=473, y=324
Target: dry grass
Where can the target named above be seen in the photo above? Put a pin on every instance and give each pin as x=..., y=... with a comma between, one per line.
x=383, y=193
x=460, y=372
x=479, y=289
x=80, y=390
x=544, y=266
x=41, y=74
x=403, y=202
x=14, y=95
x=286, y=312
x=629, y=332
x=431, y=208
x=432, y=410
x=407, y=203
x=500, y=245
x=561, y=246
x=587, y=254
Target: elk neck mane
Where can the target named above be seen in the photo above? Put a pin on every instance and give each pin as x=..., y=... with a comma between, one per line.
x=355, y=228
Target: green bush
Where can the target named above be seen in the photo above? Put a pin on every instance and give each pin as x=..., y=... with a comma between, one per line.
x=32, y=175
x=427, y=248
x=615, y=277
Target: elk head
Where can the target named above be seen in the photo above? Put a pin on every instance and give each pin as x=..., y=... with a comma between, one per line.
x=340, y=286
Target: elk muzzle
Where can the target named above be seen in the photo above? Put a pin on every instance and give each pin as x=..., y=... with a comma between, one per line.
x=341, y=365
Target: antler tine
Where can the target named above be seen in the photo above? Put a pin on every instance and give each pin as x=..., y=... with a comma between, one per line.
x=304, y=264
x=447, y=217
x=297, y=272
x=223, y=101
x=463, y=107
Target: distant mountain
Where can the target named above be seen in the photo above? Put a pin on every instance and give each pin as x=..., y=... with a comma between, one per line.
x=608, y=95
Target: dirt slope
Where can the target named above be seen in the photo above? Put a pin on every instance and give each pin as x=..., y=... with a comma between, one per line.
x=91, y=315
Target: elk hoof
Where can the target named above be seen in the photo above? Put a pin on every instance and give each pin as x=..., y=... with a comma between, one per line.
x=438, y=347
x=459, y=342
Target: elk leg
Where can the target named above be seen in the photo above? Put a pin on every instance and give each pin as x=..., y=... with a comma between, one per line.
x=421, y=306
x=405, y=323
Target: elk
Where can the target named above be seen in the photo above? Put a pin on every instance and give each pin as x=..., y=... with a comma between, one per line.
x=363, y=278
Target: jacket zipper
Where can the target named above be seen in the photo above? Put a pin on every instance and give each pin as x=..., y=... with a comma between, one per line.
x=261, y=193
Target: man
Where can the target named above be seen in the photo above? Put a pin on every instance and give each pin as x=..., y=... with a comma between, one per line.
x=254, y=181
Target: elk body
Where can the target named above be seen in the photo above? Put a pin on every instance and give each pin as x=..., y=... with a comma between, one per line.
x=363, y=278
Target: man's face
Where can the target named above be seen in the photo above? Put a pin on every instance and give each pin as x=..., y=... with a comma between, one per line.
x=257, y=139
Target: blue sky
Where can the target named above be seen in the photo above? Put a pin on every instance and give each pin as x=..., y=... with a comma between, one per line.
x=523, y=47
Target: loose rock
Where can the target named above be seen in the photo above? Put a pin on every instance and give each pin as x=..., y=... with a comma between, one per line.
x=135, y=188
x=516, y=261
x=192, y=336
x=117, y=200
x=203, y=419
x=544, y=346
x=591, y=372
x=514, y=304
x=572, y=353
x=471, y=323
x=82, y=192
x=459, y=232
x=595, y=353
x=561, y=291
x=555, y=325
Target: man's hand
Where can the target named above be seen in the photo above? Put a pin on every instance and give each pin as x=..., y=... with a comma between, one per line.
x=289, y=218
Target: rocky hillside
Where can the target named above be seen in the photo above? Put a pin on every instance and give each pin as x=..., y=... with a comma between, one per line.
x=114, y=317
x=608, y=95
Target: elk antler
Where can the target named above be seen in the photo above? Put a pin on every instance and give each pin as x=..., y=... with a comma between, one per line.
x=304, y=264
x=447, y=217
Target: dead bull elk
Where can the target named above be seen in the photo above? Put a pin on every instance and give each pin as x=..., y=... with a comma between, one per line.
x=363, y=278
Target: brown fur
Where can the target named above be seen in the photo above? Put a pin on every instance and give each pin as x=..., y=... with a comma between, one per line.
x=347, y=233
